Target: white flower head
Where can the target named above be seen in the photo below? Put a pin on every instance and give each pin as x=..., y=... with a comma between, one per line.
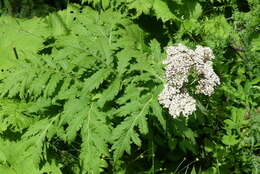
x=183, y=104
x=167, y=94
x=204, y=52
x=179, y=63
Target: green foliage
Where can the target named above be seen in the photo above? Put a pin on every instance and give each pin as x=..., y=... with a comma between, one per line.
x=79, y=88
x=70, y=89
x=30, y=32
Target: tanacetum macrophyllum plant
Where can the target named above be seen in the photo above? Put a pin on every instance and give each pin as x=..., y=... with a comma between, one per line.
x=79, y=88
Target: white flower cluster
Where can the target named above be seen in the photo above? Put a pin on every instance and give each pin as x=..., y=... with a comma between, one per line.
x=179, y=63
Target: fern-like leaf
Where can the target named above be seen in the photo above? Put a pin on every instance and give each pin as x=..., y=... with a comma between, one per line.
x=12, y=115
x=96, y=79
x=125, y=133
x=74, y=114
x=163, y=11
x=34, y=139
x=110, y=92
x=158, y=113
x=141, y=6
x=95, y=135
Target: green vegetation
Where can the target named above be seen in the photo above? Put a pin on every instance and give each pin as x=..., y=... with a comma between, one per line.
x=80, y=80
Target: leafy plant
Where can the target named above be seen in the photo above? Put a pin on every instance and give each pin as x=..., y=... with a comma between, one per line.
x=72, y=91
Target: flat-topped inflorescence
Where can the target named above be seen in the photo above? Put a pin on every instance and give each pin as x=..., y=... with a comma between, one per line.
x=179, y=64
